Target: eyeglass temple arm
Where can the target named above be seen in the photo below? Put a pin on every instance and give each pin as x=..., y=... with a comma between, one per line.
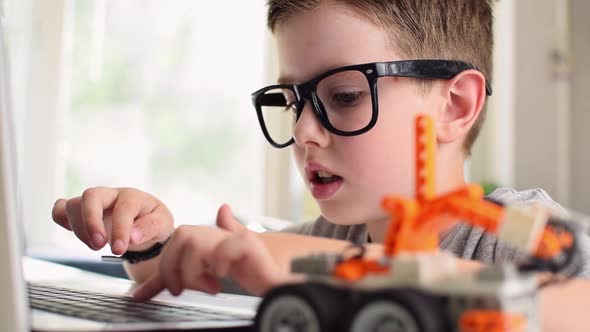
x=272, y=99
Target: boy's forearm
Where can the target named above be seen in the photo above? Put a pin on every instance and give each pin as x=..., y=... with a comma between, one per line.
x=282, y=246
x=286, y=246
x=564, y=307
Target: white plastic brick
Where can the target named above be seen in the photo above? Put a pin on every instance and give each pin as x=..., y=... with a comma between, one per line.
x=522, y=226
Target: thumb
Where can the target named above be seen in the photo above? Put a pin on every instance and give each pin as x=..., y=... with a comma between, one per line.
x=226, y=220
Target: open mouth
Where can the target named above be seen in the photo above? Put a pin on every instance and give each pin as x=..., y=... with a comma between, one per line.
x=323, y=183
x=321, y=177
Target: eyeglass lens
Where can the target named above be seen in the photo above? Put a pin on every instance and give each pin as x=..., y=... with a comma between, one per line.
x=344, y=98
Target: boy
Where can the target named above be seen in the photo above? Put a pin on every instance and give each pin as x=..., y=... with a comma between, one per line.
x=351, y=147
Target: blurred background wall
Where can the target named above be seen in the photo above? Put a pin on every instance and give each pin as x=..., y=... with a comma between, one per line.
x=580, y=130
x=537, y=131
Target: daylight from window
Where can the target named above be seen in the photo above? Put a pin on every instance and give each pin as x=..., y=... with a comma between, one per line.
x=155, y=95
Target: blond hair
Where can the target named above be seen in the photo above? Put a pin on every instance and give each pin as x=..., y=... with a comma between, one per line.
x=420, y=29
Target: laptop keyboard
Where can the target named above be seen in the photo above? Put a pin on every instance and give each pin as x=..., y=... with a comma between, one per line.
x=117, y=309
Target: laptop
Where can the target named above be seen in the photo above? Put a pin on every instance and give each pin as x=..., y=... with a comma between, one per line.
x=43, y=296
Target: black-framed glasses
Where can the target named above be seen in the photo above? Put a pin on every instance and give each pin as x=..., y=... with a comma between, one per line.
x=343, y=99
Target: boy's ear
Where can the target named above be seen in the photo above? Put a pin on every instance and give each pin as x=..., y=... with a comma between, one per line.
x=465, y=95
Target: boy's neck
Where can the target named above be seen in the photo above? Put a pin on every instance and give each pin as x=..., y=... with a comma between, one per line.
x=449, y=176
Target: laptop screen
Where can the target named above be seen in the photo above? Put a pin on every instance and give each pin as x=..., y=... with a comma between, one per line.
x=13, y=308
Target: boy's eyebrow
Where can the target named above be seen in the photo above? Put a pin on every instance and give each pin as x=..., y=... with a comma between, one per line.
x=290, y=80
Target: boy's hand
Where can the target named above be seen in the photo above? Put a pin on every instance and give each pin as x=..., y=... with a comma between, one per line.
x=195, y=257
x=126, y=218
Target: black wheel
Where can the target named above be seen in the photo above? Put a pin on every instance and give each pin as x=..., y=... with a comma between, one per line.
x=304, y=307
x=397, y=310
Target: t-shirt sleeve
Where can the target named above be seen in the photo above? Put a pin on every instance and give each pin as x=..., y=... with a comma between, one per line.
x=525, y=197
x=301, y=228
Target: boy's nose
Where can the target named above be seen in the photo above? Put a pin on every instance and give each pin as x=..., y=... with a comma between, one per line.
x=309, y=129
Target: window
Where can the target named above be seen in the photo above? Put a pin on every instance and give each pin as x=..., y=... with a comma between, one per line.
x=139, y=93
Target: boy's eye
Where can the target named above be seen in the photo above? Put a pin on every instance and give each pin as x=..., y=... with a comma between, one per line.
x=346, y=98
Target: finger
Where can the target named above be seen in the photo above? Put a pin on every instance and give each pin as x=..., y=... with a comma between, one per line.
x=230, y=250
x=59, y=215
x=125, y=210
x=209, y=284
x=197, y=272
x=226, y=219
x=149, y=288
x=245, y=249
x=75, y=220
x=93, y=203
x=152, y=226
x=188, y=258
x=170, y=268
x=156, y=283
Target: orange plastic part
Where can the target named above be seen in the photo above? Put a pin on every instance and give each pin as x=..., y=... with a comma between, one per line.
x=416, y=224
x=356, y=268
x=425, y=161
x=492, y=321
x=553, y=242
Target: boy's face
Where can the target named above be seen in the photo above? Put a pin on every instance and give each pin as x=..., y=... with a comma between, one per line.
x=367, y=166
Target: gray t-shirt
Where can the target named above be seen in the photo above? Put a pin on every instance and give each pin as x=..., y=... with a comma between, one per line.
x=463, y=240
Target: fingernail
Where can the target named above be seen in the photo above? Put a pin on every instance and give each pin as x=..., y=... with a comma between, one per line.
x=118, y=247
x=97, y=240
x=175, y=290
x=211, y=285
x=136, y=235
